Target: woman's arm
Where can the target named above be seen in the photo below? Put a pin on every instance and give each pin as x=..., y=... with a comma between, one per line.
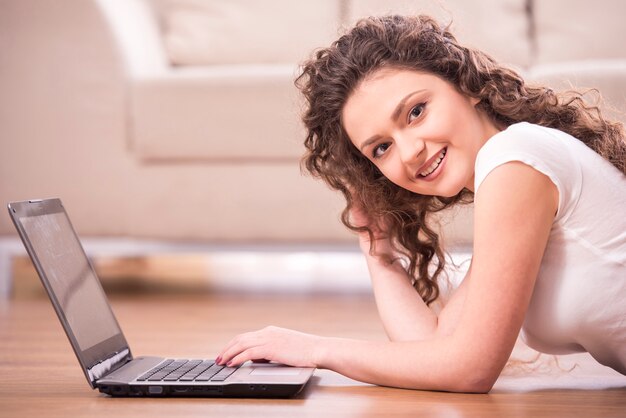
x=402, y=311
x=514, y=212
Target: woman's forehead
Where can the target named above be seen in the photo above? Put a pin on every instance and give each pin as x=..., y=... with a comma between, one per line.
x=390, y=76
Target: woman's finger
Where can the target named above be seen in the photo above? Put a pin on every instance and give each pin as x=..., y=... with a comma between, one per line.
x=236, y=347
x=249, y=354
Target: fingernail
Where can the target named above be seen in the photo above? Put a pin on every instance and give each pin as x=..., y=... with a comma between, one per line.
x=230, y=363
x=218, y=360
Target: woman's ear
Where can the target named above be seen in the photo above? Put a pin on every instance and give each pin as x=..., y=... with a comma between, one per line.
x=474, y=100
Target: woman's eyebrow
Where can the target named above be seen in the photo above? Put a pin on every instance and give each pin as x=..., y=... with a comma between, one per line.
x=394, y=117
x=367, y=142
x=396, y=113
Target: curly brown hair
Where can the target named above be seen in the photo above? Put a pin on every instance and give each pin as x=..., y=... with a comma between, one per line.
x=420, y=43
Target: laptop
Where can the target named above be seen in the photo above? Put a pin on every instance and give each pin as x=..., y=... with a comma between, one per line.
x=95, y=334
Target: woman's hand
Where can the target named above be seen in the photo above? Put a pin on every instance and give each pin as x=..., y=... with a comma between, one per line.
x=360, y=219
x=273, y=344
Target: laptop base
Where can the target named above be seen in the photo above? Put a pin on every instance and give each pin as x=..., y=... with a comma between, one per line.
x=236, y=390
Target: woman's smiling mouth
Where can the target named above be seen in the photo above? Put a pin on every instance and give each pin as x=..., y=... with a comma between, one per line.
x=427, y=173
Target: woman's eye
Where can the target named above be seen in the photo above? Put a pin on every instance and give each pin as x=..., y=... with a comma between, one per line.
x=416, y=112
x=379, y=150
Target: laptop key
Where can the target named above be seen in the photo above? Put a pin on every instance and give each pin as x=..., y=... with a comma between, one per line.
x=161, y=374
x=197, y=371
x=223, y=374
x=206, y=375
x=155, y=369
x=176, y=374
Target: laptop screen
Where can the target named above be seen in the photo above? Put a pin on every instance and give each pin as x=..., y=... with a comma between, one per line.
x=71, y=283
x=72, y=279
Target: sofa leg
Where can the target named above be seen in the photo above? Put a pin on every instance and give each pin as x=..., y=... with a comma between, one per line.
x=6, y=273
x=9, y=248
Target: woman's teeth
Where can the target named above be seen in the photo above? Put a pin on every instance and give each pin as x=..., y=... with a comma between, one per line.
x=435, y=164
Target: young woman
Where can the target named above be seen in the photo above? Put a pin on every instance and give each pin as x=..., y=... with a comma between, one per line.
x=405, y=122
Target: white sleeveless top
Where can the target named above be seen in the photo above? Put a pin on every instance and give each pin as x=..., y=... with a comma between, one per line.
x=579, y=300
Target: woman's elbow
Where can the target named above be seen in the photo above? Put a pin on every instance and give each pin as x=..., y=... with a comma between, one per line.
x=456, y=383
x=475, y=382
x=470, y=385
x=476, y=386
x=474, y=372
x=469, y=378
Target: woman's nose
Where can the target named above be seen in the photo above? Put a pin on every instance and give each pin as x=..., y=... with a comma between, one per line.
x=409, y=148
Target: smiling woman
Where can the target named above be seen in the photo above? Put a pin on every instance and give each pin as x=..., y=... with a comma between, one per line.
x=404, y=122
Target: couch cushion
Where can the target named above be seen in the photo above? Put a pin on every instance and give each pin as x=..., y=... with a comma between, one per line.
x=205, y=32
x=577, y=30
x=234, y=203
x=498, y=27
x=253, y=203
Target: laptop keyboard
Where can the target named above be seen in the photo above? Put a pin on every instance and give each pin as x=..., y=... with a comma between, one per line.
x=172, y=370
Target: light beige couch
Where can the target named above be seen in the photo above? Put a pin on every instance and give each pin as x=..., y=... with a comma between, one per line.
x=177, y=120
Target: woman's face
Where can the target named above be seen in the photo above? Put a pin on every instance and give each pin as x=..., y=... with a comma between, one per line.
x=420, y=132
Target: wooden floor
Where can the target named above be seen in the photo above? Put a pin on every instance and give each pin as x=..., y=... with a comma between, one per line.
x=40, y=376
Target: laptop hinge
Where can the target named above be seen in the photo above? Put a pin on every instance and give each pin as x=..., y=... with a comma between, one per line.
x=113, y=363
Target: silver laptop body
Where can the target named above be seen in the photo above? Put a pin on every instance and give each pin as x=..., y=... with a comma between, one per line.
x=97, y=339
